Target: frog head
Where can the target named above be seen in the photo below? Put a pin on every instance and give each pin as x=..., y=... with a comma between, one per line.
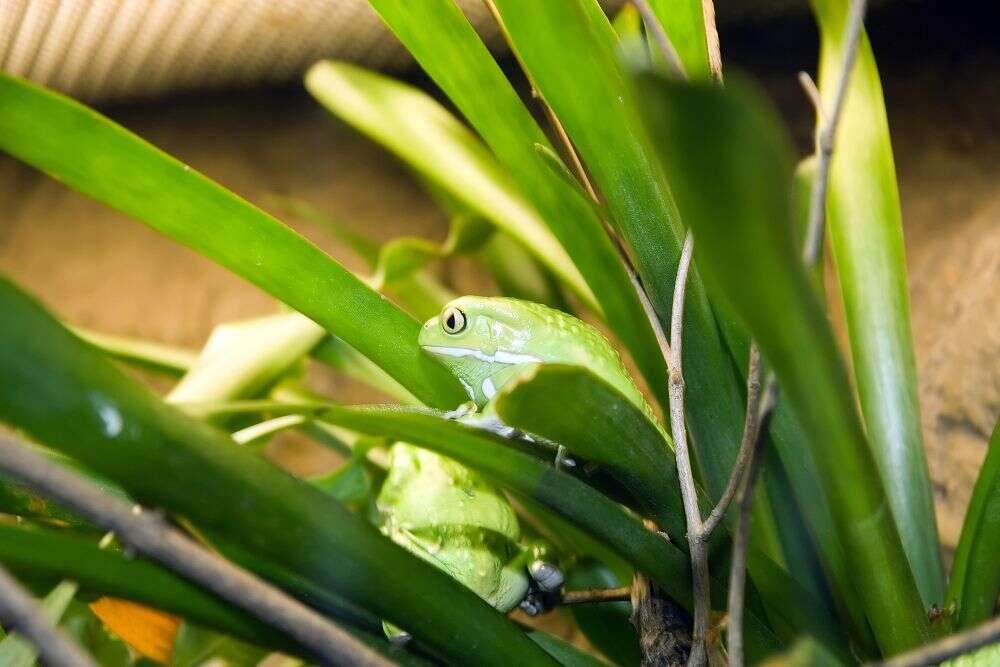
x=487, y=341
x=484, y=341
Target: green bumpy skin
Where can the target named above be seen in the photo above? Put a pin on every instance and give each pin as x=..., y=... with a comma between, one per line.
x=503, y=337
x=440, y=510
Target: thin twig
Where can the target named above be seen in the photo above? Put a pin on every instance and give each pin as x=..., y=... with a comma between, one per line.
x=19, y=611
x=660, y=37
x=741, y=537
x=827, y=133
x=685, y=472
x=712, y=39
x=747, y=446
x=812, y=92
x=810, y=256
x=149, y=533
x=954, y=645
x=589, y=595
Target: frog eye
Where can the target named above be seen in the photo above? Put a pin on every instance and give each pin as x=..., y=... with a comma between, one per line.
x=453, y=320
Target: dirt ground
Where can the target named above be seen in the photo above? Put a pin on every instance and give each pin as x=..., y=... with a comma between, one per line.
x=99, y=270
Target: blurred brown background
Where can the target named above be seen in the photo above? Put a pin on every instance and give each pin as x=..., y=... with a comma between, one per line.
x=941, y=70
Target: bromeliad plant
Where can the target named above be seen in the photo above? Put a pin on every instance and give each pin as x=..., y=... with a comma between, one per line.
x=520, y=463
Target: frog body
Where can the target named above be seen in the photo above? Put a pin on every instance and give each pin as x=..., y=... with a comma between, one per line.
x=449, y=515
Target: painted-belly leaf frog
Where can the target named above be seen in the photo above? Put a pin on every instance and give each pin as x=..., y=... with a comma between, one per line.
x=447, y=514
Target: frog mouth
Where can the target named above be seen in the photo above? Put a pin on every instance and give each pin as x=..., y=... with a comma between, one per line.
x=498, y=357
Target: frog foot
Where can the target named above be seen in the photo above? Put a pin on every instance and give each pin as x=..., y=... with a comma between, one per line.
x=464, y=410
x=563, y=459
x=546, y=575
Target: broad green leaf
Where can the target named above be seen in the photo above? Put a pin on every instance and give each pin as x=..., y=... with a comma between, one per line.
x=447, y=47
x=334, y=352
x=605, y=625
x=554, y=400
x=684, y=23
x=566, y=496
x=18, y=652
x=66, y=394
x=975, y=574
x=727, y=157
x=982, y=657
x=421, y=132
x=866, y=234
x=568, y=49
x=95, y=156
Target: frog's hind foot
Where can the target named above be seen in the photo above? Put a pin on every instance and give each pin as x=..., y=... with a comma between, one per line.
x=563, y=459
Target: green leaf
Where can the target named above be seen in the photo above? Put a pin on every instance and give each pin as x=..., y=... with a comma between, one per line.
x=241, y=358
x=975, y=574
x=866, y=234
x=605, y=625
x=563, y=651
x=49, y=553
x=684, y=23
x=80, y=623
x=447, y=47
x=18, y=652
x=520, y=275
x=727, y=157
x=157, y=356
x=420, y=131
x=194, y=646
x=554, y=400
x=102, y=160
x=566, y=496
x=568, y=49
x=66, y=394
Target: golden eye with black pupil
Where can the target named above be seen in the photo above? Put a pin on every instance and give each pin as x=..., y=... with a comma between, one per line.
x=452, y=320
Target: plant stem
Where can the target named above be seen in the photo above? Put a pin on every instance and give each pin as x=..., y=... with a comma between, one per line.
x=747, y=445
x=712, y=39
x=148, y=533
x=981, y=635
x=685, y=473
x=741, y=537
x=825, y=140
x=19, y=611
x=588, y=595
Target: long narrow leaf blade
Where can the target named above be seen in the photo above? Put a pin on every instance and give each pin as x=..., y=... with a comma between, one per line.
x=415, y=127
x=975, y=574
x=95, y=156
x=684, y=23
x=447, y=47
x=66, y=394
x=866, y=234
x=728, y=160
x=568, y=47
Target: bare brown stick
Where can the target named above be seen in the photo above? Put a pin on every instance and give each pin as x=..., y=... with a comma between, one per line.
x=19, y=611
x=589, y=595
x=149, y=533
x=685, y=472
x=741, y=537
x=954, y=645
x=747, y=446
x=712, y=39
x=827, y=133
x=663, y=42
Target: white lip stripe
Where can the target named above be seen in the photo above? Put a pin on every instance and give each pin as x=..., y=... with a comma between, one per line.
x=500, y=357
